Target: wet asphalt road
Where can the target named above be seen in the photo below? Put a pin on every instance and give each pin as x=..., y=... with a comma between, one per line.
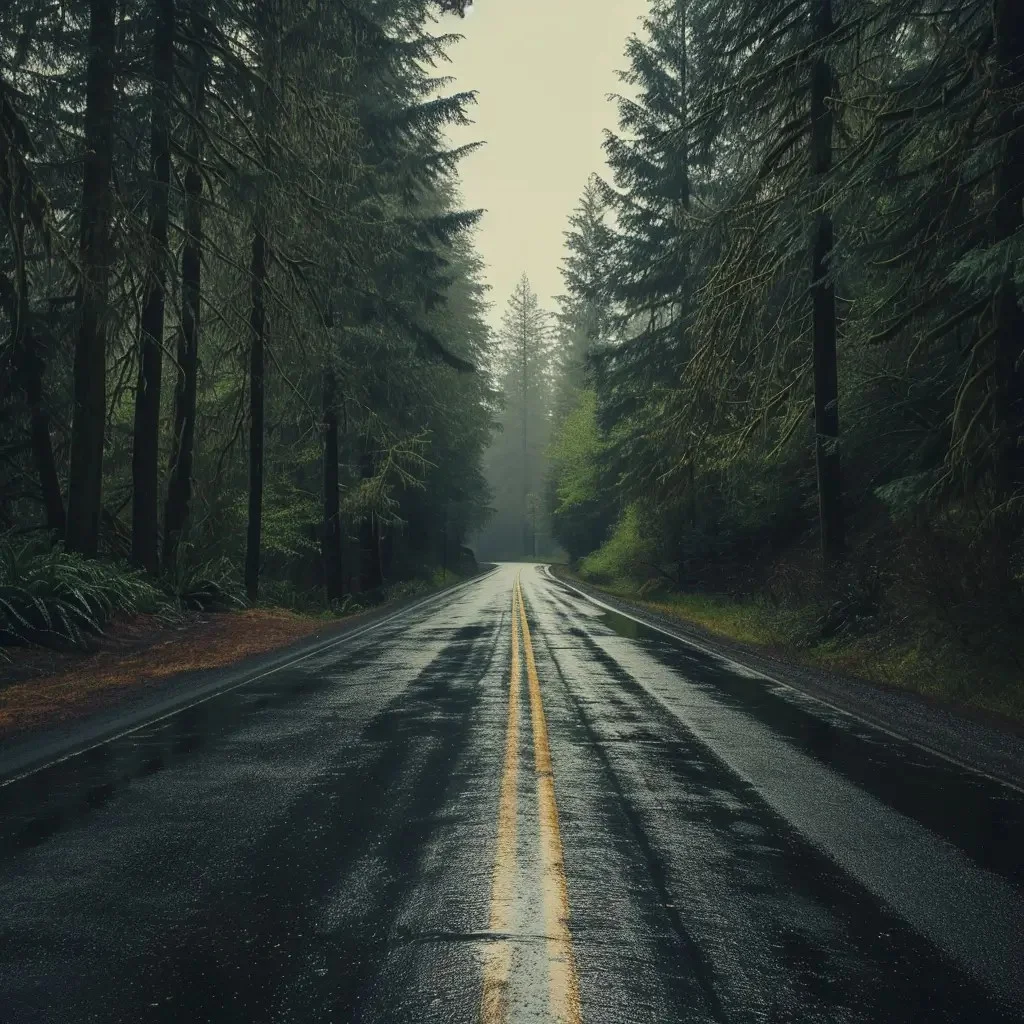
x=460, y=815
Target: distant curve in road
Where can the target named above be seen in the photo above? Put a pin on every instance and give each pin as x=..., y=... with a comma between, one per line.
x=510, y=804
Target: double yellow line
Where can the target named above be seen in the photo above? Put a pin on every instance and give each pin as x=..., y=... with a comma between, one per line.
x=563, y=984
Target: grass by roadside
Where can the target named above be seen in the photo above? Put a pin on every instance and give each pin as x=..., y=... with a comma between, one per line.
x=916, y=663
x=40, y=687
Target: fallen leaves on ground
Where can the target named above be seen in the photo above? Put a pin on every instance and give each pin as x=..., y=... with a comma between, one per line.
x=50, y=687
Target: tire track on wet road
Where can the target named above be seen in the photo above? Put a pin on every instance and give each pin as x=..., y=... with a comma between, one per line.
x=632, y=831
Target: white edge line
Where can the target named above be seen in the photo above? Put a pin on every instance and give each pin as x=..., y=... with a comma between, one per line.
x=789, y=686
x=329, y=645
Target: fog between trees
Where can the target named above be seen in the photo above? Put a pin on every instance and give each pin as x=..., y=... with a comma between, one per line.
x=788, y=359
x=245, y=335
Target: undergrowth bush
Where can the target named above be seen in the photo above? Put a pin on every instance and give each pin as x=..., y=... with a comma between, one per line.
x=195, y=584
x=626, y=554
x=286, y=594
x=965, y=587
x=283, y=594
x=55, y=599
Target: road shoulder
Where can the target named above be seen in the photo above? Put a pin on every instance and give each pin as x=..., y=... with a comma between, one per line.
x=25, y=750
x=978, y=741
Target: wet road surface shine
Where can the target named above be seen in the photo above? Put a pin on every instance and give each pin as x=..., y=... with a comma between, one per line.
x=372, y=835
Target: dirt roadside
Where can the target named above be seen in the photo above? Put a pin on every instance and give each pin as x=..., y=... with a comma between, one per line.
x=40, y=687
x=52, y=702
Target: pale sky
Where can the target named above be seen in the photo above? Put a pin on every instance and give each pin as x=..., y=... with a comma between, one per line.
x=542, y=71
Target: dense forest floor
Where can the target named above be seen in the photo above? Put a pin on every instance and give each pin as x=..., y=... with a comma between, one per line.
x=984, y=684
x=41, y=687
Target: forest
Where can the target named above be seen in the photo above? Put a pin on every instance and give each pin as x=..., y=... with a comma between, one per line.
x=783, y=390
x=243, y=347
x=246, y=354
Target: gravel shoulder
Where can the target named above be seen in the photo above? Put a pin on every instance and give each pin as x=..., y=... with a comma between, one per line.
x=981, y=742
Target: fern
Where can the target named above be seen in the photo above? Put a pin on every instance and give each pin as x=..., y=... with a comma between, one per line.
x=52, y=598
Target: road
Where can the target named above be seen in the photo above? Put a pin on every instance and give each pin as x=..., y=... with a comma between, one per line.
x=510, y=804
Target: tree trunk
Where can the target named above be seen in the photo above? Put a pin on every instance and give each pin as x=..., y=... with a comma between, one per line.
x=257, y=359
x=524, y=381
x=39, y=436
x=682, y=70
x=826, y=378
x=683, y=156
x=179, y=487
x=369, y=536
x=85, y=479
x=146, y=441
x=1008, y=36
x=269, y=34
x=333, y=580
x=27, y=376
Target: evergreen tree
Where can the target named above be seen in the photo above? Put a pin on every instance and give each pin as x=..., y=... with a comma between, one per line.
x=523, y=369
x=584, y=318
x=575, y=491
x=294, y=155
x=85, y=474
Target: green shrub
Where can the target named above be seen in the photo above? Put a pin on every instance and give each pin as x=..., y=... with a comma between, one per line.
x=285, y=594
x=627, y=554
x=211, y=585
x=55, y=599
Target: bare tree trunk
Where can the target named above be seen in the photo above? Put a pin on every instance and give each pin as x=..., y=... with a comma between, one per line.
x=524, y=374
x=683, y=157
x=27, y=375
x=146, y=441
x=369, y=534
x=333, y=578
x=85, y=479
x=826, y=377
x=1008, y=36
x=257, y=367
x=179, y=486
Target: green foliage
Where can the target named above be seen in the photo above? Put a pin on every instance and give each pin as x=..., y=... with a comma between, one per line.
x=54, y=599
x=372, y=275
x=627, y=554
x=580, y=513
x=522, y=367
x=290, y=520
x=196, y=584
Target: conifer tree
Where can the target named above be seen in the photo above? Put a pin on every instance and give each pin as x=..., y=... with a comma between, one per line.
x=146, y=435
x=181, y=465
x=524, y=371
x=584, y=317
x=88, y=429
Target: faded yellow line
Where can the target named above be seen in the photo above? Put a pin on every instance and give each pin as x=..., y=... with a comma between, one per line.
x=498, y=955
x=563, y=983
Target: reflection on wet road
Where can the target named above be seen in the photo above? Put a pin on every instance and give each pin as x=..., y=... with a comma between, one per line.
x=510, y=804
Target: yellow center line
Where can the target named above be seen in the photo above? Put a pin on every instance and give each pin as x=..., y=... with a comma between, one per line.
x=498, y=956
x=562, y=979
